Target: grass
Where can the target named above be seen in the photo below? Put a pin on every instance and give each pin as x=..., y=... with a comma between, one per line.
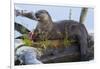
x=45, y=43
x=27, y=41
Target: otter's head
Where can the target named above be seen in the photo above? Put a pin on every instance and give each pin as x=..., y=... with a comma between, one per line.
x=42, y=15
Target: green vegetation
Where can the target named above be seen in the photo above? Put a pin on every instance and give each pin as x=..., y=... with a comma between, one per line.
x=26, y=40
x=67, y=42
x=45, y=43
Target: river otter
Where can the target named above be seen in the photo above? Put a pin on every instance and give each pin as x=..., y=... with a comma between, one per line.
x=61, y=29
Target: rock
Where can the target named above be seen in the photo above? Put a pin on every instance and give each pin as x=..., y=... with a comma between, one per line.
x=26, y=55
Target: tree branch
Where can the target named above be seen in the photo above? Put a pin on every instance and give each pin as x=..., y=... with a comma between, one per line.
x=83, y=15
x=24, y=13
x=20, y=28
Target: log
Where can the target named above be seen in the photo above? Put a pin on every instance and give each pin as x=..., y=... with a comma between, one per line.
x=20, y=28
x=68, y=54
x=25, y=13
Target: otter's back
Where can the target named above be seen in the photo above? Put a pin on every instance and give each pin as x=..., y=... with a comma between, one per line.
x=61, y=25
